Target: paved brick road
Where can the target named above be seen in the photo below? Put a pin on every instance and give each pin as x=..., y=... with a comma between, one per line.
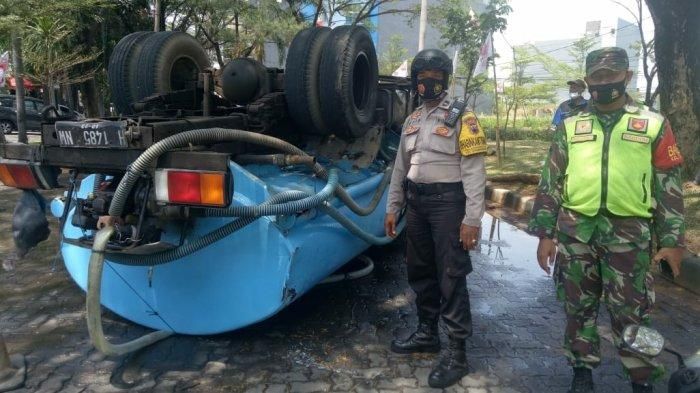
x=333, y=339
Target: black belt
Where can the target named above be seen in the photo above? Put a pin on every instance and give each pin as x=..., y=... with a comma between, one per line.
x=432, y=188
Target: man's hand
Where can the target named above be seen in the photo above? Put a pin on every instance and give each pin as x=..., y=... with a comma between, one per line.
x=468, y=236
x=673, y=256
x=546, y=250
x=105, y=221
x=390, y=224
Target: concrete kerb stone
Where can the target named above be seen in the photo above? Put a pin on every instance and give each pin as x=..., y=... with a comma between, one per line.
x=690, y=268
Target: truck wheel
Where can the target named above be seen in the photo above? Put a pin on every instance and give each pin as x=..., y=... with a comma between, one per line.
x=122, y=68
x=349, y=81
x=169, y=60
x=301, y=79
x=6, y=127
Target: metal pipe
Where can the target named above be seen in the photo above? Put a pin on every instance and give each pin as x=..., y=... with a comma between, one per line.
x=276, y=159
x=93, y=307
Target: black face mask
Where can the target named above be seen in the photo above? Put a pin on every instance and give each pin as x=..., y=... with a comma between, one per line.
x=608, y=92
x=430, y=88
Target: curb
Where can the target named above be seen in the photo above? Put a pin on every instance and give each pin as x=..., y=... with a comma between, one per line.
x=509, y=199
x=690, y=268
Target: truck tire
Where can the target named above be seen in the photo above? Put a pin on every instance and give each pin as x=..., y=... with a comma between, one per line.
x=169, y=60
x=122, y=68
x=349, y=83
x=302, y=79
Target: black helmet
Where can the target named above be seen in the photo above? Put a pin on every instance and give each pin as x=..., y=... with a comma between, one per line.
x=431, y=59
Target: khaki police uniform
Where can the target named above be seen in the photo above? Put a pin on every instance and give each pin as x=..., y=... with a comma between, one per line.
x=439, y=176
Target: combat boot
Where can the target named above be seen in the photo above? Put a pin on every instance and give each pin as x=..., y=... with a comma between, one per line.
x=452, y=365
x=642, y=388
x=583, y=381
x=424, y=339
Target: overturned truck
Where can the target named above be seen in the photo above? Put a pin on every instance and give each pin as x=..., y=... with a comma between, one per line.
x=216, y=198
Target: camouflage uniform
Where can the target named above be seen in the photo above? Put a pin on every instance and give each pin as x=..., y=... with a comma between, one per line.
x=607, y=256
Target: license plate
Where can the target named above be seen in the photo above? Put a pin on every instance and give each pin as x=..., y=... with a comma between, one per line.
x=102, y=134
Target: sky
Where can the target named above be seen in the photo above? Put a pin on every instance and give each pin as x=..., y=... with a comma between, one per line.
x=543, y=20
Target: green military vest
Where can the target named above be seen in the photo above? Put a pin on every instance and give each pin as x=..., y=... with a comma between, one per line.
x=610, y=171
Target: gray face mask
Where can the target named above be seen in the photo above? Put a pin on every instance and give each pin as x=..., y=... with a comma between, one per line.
x=574, y=95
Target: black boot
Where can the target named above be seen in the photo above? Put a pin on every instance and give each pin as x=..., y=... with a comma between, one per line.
x=424, y=339
x=452, y=365
x=642, y=388
x=583, y=381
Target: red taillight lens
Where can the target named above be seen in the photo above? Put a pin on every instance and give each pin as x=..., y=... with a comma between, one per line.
x=18, y=175
x=183, y=187
x=191, y=187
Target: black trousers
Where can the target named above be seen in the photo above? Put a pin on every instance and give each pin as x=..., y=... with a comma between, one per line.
x=437, y=263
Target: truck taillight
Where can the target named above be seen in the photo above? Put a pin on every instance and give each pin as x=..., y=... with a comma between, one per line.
x=185, y=187
x=18, y=175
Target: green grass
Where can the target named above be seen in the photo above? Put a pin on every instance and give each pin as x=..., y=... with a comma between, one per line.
x=522, y=156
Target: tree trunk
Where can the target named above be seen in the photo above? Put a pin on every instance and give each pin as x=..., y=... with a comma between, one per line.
x=678, y=58
x=91, y=102
x=19, y=85
x=4, y=355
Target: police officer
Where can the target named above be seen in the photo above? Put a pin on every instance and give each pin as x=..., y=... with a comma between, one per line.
x=573, y=105
x=613, y=177
x=439, y=176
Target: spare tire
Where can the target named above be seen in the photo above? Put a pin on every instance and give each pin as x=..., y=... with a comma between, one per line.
x=122, y=68
x=169, y=60
x=349, y=81
x=302, y=79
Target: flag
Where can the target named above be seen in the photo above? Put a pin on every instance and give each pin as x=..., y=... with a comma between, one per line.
x=402, y=70
x=484, y=54
x=4, y=64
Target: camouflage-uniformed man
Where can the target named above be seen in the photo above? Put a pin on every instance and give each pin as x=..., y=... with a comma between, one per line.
x=439, y=171
x=612, y=179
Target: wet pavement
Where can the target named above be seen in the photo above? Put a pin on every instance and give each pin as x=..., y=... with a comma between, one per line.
x=334, y=338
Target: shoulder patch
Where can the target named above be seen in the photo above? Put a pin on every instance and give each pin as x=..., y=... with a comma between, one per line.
x=583, y=127
x=637, y=125
x=472, y=139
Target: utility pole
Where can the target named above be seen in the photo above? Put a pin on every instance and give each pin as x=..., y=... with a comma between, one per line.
x=423, y=24
x=19, y=86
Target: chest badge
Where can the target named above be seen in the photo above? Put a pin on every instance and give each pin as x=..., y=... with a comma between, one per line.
x=637, y=125
x=442, y=131
x=583, y=127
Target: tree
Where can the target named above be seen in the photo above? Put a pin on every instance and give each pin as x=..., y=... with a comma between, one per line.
x=459, y=27
x=645, y=50
x=393, y=56
x=49, y=59
x=579, y=50
x=561, y=71
x=678, y=59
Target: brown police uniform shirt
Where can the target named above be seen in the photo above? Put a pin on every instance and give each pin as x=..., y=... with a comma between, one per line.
x=429, y=152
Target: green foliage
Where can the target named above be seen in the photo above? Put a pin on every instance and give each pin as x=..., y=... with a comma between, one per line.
x=394, y=55
x=529, y=128
x=461, y=28
x=561, y=71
